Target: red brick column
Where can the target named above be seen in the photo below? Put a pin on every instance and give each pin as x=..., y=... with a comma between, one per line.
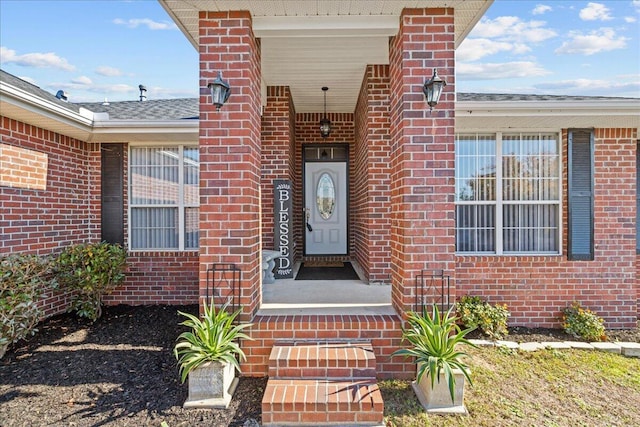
x=422, y=151
x=278, y=152
x=230, y=152
x=370, y=208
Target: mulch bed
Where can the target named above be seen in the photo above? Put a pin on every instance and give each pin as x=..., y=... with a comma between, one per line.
x=120, y=371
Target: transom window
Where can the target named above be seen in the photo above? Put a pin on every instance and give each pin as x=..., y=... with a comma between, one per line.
x=164, y=198
x=508, y=193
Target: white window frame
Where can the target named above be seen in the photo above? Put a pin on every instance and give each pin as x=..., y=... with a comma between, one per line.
x=181, y=205
x=499, y=203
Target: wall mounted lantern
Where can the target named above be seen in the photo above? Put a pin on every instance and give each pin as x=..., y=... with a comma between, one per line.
x=433, y=89
x=220, y=91
x=325, y=124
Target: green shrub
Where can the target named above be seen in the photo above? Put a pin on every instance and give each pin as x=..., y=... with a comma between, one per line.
x=583, y=323
x=491, y=319
x=24, y=279
x=90, y=270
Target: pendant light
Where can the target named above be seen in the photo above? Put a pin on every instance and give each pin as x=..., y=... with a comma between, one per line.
x=325, y=124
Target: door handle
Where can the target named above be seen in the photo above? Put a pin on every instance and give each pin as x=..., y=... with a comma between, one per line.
x=307, y=216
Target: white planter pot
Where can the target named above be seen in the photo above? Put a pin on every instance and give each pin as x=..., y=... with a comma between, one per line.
x=438, y=399
x=211, y=385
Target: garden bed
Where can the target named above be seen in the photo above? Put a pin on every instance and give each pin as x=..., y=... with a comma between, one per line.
x=120, y=371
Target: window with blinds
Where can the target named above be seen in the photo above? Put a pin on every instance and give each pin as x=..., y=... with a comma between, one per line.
x=508, y=193
x=164, y=198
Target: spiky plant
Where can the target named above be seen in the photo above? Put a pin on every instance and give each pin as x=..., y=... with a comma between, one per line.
x=214, y=338
x=433, y=340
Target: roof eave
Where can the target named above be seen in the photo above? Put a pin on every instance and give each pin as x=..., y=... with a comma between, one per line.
x=159, y=131
x=29, y=107
x=605, y=107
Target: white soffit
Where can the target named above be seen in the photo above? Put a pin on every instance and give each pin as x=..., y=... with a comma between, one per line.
x=307, y=44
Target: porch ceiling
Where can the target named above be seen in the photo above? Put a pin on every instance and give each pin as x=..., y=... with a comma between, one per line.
x=307, y=44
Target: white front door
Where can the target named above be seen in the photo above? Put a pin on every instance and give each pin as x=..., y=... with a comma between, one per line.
x=325, y=225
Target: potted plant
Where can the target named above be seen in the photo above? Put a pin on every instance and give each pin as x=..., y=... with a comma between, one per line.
x=208, y=355
x=441, y=371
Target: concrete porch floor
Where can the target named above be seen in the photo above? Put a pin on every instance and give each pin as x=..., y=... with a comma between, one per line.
x=290, y=296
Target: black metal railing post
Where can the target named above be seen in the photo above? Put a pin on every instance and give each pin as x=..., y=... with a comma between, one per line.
x=432, y=287
x=219, y=278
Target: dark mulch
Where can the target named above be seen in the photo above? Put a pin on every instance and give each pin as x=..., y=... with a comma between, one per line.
x=522, y=334
x=119, y=371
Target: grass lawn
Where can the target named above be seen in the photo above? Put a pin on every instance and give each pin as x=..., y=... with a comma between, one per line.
x=543, y=388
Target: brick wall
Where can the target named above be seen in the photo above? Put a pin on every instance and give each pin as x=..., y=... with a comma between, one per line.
x=371, y=208
x=537, y=288
x=62, y=210
x=46, y=220
x=422, y=151
x=278, y=153
x=158, y=278
x=230, y=201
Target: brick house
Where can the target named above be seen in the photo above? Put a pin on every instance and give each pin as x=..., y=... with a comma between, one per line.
x=525, y=200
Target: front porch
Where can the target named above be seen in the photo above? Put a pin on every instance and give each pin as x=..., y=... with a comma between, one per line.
x=288, y=297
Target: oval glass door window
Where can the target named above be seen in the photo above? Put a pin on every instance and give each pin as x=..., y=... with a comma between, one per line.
x=326, y=196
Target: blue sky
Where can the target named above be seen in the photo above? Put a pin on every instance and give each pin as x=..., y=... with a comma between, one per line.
x=105, y=49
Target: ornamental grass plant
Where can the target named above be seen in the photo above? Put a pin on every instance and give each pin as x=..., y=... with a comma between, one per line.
x=433, y=339
x=214, y=338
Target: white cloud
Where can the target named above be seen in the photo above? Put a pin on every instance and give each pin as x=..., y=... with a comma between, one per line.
x=474, y=49
x=85, y=84
x=493, y=71
x=630, y=19
x=513, y=29
x=105, y=70
x=36, y=59
x=602, y=40
x=595, y=12
x=82, y=80
x=541, y=9
x=149, y=23
x=628, y=86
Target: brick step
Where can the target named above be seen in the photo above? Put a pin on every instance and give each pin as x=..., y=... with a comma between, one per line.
x=322, y=360
x=356, y=402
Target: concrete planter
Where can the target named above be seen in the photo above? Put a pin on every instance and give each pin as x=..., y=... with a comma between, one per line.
x=211, y=385
x=438, y=399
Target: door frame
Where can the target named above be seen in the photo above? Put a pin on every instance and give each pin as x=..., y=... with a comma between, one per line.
x=347, y=185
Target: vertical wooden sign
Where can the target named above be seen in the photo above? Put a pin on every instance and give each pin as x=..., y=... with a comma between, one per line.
x=283, y=209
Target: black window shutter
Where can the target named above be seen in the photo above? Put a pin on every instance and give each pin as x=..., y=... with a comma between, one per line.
x=581, y=163
x=112, y=204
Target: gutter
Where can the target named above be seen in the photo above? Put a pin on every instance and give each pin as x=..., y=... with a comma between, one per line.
x=145, y=130
x=81, y=120
x=603, y=108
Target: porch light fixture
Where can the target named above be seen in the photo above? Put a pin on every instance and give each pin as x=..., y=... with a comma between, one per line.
x=325, y=124
x=220, y=91
x=433, y=89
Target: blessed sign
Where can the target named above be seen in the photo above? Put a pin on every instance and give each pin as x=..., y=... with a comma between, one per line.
x=284, y=227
